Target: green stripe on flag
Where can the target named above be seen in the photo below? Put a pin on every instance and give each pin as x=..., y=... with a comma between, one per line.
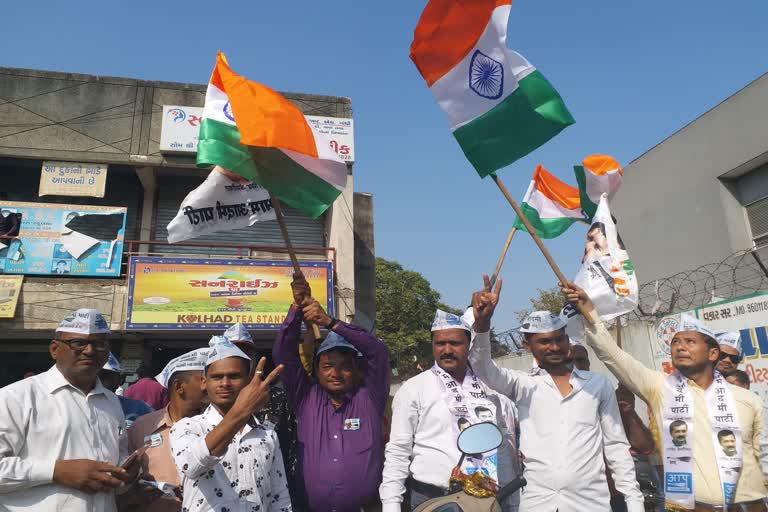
x=522, y=122
x=546, y=228
x=292, y=183
x=219, y=144
x=587, y=206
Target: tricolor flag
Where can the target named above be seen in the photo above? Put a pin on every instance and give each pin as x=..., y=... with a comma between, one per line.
x=499, y=107
x=253, y=131
x=550, y=205
x=599, y=174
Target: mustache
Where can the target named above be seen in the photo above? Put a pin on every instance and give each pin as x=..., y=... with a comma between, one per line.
x=448, y=357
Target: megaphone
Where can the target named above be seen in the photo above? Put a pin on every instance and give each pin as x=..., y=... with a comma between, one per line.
x=473, y=441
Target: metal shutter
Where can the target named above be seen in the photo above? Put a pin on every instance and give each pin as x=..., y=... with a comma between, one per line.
x=757, y=213
x=172, y=190
x=123, y=189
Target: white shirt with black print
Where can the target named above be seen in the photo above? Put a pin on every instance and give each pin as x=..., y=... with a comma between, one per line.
x=249, y=477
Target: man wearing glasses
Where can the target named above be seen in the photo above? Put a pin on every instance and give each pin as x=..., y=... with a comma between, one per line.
x=61, y=432
x=730, y=352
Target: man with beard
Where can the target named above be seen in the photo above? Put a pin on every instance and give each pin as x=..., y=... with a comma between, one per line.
x=227, y=460
x=697, y=475
x=428, y=413
x=62, y=433
x=569, y=418
x=340, y=412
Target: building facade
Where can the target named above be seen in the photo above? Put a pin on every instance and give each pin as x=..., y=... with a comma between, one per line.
x=52, y=122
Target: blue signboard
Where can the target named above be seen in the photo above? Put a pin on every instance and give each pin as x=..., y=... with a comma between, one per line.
x=61, y=239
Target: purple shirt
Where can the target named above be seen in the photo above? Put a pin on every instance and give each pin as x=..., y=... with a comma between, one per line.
x=148, y=391
x=340, y=450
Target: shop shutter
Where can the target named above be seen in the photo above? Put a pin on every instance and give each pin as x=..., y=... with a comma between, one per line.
x=172, y=190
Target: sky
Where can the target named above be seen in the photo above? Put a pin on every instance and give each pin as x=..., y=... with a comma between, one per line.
x=631, y=73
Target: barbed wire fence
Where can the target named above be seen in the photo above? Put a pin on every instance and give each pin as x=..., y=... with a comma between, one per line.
x=741, y=273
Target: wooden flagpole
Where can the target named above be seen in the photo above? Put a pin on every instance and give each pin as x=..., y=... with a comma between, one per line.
x=503, y=256
x=284, y=230
x=534, y=235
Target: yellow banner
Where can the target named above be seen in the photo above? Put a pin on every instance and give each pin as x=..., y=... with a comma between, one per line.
x=182, y=293
x=10, y=288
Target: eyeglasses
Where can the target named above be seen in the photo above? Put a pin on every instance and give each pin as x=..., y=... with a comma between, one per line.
x=735, y=358
x=80, y=344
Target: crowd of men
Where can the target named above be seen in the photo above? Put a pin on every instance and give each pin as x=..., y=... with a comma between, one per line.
x=229, y=434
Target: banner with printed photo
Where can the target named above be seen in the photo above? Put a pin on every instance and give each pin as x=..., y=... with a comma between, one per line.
x=10, y=288
x=61, y=239
x=212, y=294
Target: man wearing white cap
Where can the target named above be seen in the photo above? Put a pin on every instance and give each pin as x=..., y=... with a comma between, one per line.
x=699, y=474
x=183, y=378
x=242, y=339
x=227, y=460
x=569, y=418
x=112, y=377
x=730, y=352
x=62, y=433
x=428, y=413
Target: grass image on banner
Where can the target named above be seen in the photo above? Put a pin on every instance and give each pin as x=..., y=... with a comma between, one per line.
x=255, y=132
x=499, y=106
x=550, y=205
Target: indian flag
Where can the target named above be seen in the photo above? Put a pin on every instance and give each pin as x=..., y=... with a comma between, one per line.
x=253, y=131
x=499, y=106
x=599, y=174
x=550, y=205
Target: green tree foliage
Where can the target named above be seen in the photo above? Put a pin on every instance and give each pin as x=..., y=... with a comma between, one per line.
x=405, y=307
x=550, y=299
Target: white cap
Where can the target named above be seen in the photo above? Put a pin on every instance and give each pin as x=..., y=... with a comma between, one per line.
x=112, y=364
x=222, y=348
x=445, y=321
x=690, y=323
x=194, y=360
x=541, y=322
x=731, y=339
x=84, y=321
x=238, y=332
x=469, y=317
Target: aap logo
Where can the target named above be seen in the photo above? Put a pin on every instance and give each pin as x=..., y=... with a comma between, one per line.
x=665, y=332
x=177, y=115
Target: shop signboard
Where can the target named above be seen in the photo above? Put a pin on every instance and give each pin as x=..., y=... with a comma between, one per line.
x=193, y=293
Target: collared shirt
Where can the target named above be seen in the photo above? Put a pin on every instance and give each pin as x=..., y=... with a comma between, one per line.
x=422, y=442
x=649, y=385
x=340, y=453
x=148, y=391
x=157, y=462
x=133, y=409
x=249, y=477
x=44, y=419
x=564, y=439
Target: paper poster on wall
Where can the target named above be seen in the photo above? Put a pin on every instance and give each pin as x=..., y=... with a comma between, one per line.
x=10, y=289
x=63, y=239
x=73, y=179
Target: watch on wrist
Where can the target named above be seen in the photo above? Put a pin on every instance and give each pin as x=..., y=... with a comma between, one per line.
x=332, y=323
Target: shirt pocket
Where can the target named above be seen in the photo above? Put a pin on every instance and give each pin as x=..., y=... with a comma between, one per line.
x=584, y=414
x=109, y=429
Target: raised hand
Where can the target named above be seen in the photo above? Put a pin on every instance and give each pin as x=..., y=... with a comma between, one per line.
x=88, y=476
x=484, y=304
x=577, y=297
x=255, y=394
x=300, y=287
x=314, y=312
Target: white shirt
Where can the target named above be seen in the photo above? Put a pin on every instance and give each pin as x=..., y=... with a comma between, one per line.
x=44, y=419
x=564, y=439
x=249, y=477
x=422, y=442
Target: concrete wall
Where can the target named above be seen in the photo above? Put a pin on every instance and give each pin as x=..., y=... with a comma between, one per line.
x=340, y=221
x=674, y=213
x=365, y=261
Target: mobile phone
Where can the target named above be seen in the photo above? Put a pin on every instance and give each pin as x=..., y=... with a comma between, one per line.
x=132, y=457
